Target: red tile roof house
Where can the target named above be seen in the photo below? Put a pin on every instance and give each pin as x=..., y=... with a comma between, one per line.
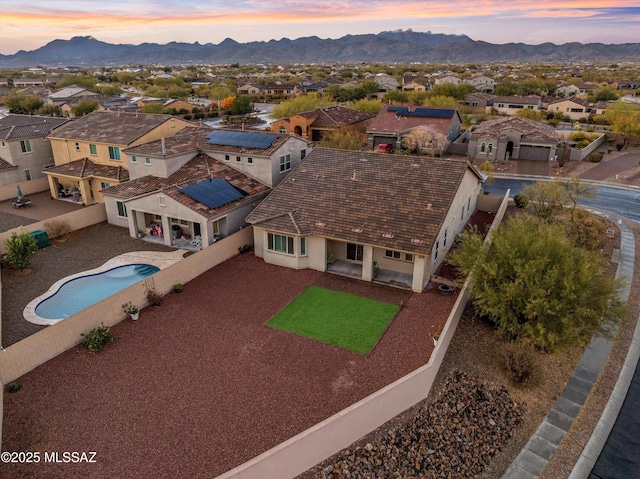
x=198, y=186
x=513, y=138
x=393, y=123
x=315, y=123
x=375, y=217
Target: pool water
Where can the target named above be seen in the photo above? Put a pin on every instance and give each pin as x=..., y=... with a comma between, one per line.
x=80, y=293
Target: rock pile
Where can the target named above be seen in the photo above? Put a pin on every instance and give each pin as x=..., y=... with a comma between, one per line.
x=455, y=436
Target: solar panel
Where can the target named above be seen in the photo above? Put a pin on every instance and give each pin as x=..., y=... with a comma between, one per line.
x=241, y=138
x=213, y=193
x=423, y=112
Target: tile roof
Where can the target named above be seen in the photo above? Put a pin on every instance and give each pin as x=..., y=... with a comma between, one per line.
x=118, y=128
x=396, y=123
x=530, y=129
x=198, y=169
x=28, y=126
x=191, y=138
x=335, y=116
x=5, y=165
x=277, y=143
x=389, y=201
x=522, y=100
x=86, y=168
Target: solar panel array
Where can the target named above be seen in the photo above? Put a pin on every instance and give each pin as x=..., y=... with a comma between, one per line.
x=423, y=112
x=213, y=193
x=247, y=139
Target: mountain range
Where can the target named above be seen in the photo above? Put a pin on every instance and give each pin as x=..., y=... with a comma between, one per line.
x=387, y=47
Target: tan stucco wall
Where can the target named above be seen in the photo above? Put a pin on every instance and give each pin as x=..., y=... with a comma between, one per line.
x=161, y=167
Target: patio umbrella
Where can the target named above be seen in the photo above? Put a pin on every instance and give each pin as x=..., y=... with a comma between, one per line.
x=19, y=193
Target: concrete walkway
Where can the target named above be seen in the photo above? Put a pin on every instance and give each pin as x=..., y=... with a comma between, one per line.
x=537, y=453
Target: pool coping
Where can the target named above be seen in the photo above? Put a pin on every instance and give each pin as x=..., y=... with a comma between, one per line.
x=159, y=259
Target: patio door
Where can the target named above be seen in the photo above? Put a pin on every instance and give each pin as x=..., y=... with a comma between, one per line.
x=355, y=252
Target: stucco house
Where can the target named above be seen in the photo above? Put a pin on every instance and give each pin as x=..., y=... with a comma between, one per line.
x=374, y=217
x=514, y=138
x=87, y=151
x=24, y=148
x=314, y=124
x=481, y=83
x=199, y=183
x=572, y=108
x=448, y=77
x=393, y=123
x=510, y=105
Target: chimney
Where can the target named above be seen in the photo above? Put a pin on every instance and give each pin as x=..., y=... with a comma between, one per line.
x=428, y=206
x=164, y=148
x=353, y=178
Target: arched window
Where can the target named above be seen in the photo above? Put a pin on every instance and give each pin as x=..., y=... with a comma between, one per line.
x=483, y=147
x=283, y=130
x=490, y=147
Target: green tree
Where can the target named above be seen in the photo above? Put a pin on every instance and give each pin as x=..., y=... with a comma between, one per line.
x=343, y=139
x=535, y=285
x=370, y=106
x=606, y=93
x=84, y=106
x=396, y=97
x=548, y=199
x=439, y=101
x=299, y=104
x=20, y=248
x=152, y=107
x=84, y=81
x=23, y=104
x=241, y=105
x=624, y=119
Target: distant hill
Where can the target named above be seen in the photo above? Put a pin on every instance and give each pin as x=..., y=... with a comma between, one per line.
x=394, y=46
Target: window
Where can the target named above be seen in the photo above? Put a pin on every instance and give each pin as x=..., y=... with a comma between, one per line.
x=280, y=243
x=285, y=163
x=250, y=160
x=77, y=146
x=238, y=159
x=490, y=147
x=355, y=251
x=147, y=161
x=134, y=159
x=303, y=246
x=483, y=147
x=184, y=222
x=392, y=254
x=25, y=146
x=174, y=221
x=303, y=154
x=226, y=157
x=27, y=174
x=158, y=217
x=114, y=153
x=122, y=209
x=444, y=242
x=283, y=130
x=104, y=184
x=435, y=254
x=469, y=204
x=408, y=257
x=93, y=149
x=462, y=215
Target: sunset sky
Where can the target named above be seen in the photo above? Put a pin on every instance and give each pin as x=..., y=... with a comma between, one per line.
x=30, y=24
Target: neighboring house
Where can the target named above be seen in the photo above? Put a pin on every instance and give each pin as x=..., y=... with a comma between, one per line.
x=393, y=123
x=88, y=150
x=479, y=100
x=567, y=90
x=628, y=84
x=27, y=82
x=448, y=78
x=272, y=89
x=481, y=83
x=367, y=214
x=386, y=82
x=572, y=108
x=414, y=86
x=601, y=107
x=510, y=105
x=104, y=102
x=248, y=89
x=68, y=94
x=153, y=199
x=24, y=148
x=313, y=124
x=513, y=138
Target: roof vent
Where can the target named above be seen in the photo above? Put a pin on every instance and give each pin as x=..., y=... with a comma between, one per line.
x=387, y=235
x=415, y=165
x=356, y=230
x=353, y=178
x=363, y=159
x=429, y=206
x=320, y=224
x=416, y=240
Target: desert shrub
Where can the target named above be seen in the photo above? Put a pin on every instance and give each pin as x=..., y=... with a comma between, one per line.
x=57, y=228
x=586, y=230
x=519, y=363
x=487, y=166
x=178, y=287
x=97, y=338
x=595, y=157
x=20, y=248
x=154, y=297
x=521, y=200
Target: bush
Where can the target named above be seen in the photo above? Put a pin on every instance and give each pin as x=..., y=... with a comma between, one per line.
x=98, y=338
x=521, y=200
x=178, y=287
x=519, y=363
x=595, y=157
x=57, y=228
x=20, y=248
x=154, y=297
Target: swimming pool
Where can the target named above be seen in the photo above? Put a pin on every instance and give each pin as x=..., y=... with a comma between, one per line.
x=83, y=291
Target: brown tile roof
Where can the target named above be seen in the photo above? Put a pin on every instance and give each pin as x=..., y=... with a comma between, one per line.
x=198, y=169
x=5, y=165
x=191, y=138
x=390, y=201
x=514, y=99
x=119, y=128
x=530, y=129
x=86, y=168
x=396, y=123
x=335, y=116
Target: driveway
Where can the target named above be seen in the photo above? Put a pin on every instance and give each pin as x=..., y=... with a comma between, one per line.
x=200, y=385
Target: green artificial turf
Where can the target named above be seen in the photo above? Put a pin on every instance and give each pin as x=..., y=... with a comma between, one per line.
x=341, y=319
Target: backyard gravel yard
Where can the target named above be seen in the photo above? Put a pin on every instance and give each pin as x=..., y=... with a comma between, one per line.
x=200, y=384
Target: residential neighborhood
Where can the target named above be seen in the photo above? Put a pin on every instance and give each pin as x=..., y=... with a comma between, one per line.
x=289, y=243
